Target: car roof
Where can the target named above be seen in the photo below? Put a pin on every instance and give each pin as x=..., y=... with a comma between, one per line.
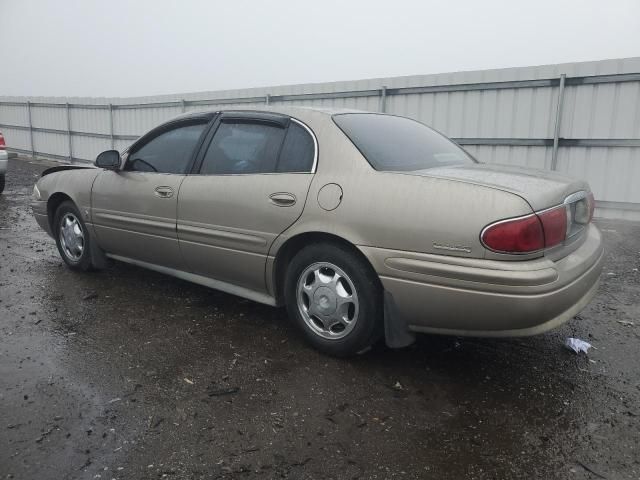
x=304, y=114
x=292, y=111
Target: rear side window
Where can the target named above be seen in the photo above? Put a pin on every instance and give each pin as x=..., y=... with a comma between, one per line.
x=298, y=151
x=243, y=148
x=169, y=152
x=391, y=143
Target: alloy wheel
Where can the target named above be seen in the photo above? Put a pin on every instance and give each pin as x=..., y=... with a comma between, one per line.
x=327, y=300
x=71, y=237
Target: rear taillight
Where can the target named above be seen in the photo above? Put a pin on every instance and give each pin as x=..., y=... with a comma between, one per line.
x=519, y=235
x=2, y=144
x=540, y=230
x=527, y=234
x=554, y=224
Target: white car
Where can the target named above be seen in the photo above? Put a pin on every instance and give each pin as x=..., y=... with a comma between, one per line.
x=4, y=160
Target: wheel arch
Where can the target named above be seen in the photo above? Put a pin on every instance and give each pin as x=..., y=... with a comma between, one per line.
x=54, y=201
x=98, y=258
x=296, y=243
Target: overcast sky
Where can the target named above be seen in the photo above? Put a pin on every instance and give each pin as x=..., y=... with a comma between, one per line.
x=127, y=48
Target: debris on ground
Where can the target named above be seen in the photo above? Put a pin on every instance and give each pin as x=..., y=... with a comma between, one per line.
x=626, y=323
x=222, y=391
x=577, y=345
x=591, y=470
x=154, y=422
x=44, y=434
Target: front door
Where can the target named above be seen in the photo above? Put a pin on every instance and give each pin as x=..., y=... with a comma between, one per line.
x=134, y=209
x=251, y=183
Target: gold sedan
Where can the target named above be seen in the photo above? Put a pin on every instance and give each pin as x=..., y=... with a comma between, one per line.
x=366, y=226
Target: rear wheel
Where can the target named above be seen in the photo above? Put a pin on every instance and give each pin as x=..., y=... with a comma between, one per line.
x=72, y=237
x=335, y=298
x=1, y=183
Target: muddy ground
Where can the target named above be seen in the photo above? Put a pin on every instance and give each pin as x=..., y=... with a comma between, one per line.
x=129, y=374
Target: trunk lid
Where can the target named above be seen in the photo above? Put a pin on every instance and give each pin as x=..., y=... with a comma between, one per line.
x=541, y=189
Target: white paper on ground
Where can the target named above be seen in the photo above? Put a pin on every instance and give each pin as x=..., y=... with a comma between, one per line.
x=577, y=345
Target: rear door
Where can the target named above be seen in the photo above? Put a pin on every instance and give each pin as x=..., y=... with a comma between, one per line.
x=250, y=184
x=134, y=209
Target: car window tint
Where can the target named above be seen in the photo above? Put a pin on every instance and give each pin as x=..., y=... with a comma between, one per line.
x=169, y=152
x=298, y=150
x=241, y=148
x=391, y=143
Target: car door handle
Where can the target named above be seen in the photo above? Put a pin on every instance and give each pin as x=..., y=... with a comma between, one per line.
x=282, y=199
x=164, y=192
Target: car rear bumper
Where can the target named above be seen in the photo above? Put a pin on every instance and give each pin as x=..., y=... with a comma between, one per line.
x=461, y=296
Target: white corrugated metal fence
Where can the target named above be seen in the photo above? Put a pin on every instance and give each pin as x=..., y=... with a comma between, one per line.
x=580, y=118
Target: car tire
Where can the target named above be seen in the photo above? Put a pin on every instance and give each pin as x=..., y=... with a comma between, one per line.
x=2, y=181
x=72, y=237
x=335, y=298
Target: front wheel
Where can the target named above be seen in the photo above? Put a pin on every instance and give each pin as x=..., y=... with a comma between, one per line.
x=72, y=237
x=335, y=298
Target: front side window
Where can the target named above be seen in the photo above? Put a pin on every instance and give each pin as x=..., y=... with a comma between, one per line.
x=243, y=148
x=391, y=143
x=169, y=152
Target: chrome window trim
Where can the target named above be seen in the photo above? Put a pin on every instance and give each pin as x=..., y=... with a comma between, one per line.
x=315, y=145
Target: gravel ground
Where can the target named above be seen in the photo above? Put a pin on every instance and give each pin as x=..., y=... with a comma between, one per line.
x=129, y=374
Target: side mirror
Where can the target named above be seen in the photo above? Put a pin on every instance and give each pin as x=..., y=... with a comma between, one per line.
x=109, y=160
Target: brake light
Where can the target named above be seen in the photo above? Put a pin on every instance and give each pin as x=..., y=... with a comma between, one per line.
x=2, y=144
x=544, y=229
x=554, y=225
x=519, y=235
x=527, y=234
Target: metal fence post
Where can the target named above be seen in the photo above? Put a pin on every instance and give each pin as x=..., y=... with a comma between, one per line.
x=267, y=99
x=556, y=132
x=33, y=150
x=383, y=99
x=184, y=105
x=69, y=133
x=113, y=143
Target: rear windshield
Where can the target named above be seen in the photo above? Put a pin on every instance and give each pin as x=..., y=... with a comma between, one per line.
x=391, y=143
